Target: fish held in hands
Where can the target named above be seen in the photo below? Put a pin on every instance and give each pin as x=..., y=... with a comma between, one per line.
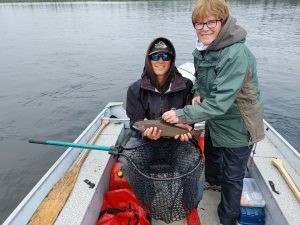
x=167, y=130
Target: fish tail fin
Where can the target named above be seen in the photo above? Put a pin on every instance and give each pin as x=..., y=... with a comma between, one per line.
x=196, y=134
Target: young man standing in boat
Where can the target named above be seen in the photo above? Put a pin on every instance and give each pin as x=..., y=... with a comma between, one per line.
x=227, y=96
x=160, y=88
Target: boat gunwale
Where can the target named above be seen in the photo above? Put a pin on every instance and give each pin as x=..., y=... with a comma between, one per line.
x=292, y=155
x=25, y=209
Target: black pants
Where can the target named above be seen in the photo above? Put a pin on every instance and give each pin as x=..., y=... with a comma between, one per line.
x=226, y=167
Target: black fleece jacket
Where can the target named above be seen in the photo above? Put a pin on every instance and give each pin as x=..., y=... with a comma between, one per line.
x=146, y=100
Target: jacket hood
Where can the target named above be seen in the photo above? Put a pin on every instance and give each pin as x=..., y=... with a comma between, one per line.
x=148, y=71
x=231, y=33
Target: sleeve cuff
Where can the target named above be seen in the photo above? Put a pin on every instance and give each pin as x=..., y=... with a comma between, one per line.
x=196, y=93
x=180, y=115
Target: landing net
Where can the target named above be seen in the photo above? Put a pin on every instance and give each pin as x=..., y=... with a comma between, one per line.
x=164, y=175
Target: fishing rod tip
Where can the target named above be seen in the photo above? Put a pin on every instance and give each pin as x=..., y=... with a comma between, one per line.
x=36, y=141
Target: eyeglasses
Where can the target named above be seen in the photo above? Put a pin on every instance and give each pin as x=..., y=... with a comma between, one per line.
x=210, y=24
x=165, y=56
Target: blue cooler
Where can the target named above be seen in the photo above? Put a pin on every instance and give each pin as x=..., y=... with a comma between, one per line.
x=252, y=204
x=251, y=216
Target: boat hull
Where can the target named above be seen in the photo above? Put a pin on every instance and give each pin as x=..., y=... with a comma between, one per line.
x=280, y=209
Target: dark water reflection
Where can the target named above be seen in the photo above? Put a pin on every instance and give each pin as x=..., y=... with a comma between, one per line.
x=62, y=62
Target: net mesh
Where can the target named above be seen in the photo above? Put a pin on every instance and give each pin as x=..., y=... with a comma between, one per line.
x=164, y=175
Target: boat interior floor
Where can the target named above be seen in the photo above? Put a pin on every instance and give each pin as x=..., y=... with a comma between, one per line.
x=207, y=210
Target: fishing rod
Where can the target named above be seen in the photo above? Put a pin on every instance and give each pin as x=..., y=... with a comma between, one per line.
x=111, y=149
x=70, y=144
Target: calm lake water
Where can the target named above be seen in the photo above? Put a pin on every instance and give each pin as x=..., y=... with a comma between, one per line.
x=60, y=63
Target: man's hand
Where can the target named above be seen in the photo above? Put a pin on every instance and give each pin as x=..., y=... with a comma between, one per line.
x=170, y=117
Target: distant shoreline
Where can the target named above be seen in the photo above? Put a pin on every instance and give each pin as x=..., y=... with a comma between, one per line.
x=58, y=1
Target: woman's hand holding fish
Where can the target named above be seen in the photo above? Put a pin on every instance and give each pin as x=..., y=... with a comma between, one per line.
x=170, y=117
x=152, y=133
x=184, y=137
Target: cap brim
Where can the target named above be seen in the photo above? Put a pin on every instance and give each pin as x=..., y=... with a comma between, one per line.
x=160, y=51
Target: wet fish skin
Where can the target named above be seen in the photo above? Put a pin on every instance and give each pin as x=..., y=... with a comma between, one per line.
x=167, y=130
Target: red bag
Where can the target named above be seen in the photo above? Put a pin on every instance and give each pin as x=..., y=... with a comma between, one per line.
x=117, y=179
x=201, y=144
x=121, y=207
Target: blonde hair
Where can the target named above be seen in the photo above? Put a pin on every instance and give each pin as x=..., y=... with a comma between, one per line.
x=215, y=8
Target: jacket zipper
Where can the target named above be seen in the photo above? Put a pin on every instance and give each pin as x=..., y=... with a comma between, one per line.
x=161, y=105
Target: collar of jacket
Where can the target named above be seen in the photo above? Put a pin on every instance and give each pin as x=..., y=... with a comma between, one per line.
x=206, y=58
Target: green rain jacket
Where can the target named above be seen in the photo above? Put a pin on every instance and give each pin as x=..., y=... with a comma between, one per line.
x=227, y=82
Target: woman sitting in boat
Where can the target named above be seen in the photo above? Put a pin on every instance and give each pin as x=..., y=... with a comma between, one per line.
x=227, y=96
x=161, y=88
